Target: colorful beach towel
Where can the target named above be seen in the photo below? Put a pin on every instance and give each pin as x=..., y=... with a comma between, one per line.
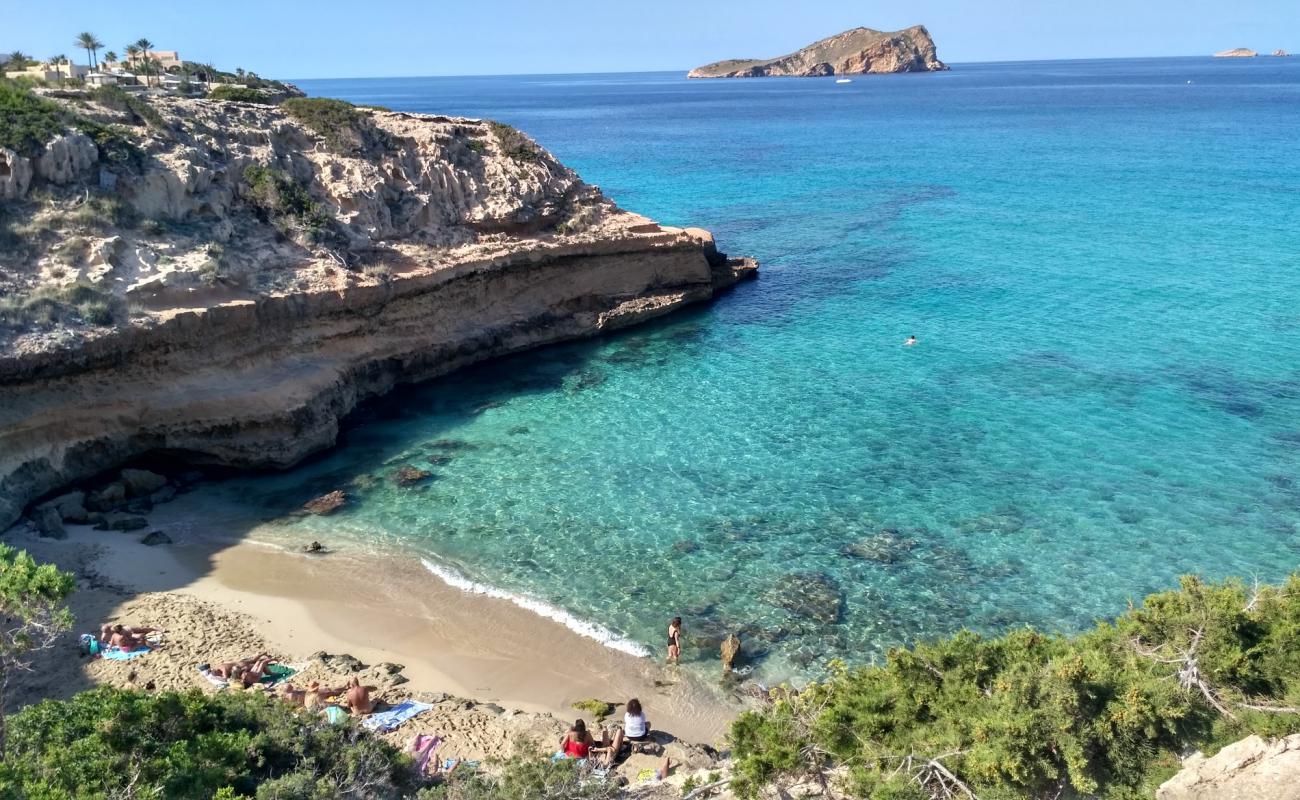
x=391, y=719
x=118, y=654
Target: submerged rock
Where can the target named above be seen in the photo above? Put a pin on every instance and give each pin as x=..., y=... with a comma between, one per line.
x=886, y=547
x=812, y=596
x=327, y=503
x=409, y=476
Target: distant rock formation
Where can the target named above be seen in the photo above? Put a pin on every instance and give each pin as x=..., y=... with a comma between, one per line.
x=1240, y=52
x=861, y=51
x=1250, y=769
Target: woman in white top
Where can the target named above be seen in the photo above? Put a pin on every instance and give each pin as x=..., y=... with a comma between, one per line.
x=635, y=726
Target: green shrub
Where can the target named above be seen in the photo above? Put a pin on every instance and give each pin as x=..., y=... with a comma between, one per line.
x=598, y=709
x=27, y=122
x=280, y=199
x=113, y=743
x=118, y=99
x=339, y=122
x=515, y=144
x=526, y=778
x=1103, y=713
x=237, y=94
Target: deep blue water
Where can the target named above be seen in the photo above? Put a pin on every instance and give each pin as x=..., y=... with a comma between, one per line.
x=1101, y=261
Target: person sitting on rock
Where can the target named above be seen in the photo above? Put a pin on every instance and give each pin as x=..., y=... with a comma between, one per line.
x=318, y=696
x=635, y=726
x=292, y=696
x=358, y=699
x=577, y=741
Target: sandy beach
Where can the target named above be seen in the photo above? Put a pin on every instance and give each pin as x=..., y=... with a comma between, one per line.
x=496, y=672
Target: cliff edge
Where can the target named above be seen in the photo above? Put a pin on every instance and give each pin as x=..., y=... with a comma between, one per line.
x=223, y=282
x=861, y=51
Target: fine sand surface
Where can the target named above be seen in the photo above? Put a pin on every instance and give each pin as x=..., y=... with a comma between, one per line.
x=226, y=599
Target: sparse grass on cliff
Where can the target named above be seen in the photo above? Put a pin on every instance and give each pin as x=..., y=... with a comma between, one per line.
x=280, y=199
x=116, y=98
x=515, y=144
x=49, y=306
x=1105, y=713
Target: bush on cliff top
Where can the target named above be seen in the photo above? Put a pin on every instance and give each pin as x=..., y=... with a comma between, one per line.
x=280, y=199
x=337, y=121
x=238, y=94
x=103, y=741
x=27, y=122
x=1104, y=713
x=515, y=144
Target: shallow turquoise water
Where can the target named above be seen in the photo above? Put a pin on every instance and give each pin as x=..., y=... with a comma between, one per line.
x=1102, y=264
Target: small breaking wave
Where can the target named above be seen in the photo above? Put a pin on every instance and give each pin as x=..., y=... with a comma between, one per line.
x=541, y=608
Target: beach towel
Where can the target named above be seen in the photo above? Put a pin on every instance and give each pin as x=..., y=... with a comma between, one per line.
x=276, y=673
x=118, y=654
x=215, y=680
x=422, y=747
x=391, y=719
x=335, y=715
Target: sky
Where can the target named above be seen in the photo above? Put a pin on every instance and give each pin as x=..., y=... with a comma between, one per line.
x=330, y=38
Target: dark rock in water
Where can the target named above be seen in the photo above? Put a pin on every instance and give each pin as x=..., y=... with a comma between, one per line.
x=809, y=595
x=107, y=499
x=71, y=507
x=410, y=476
x=142, y=482
x=451, y=444
x=163, y=495
x=587, y=379
x=685, y=546
x=488, y=406
x=517, y=430
x=315, y=547
x=439, y=460
x=326, y=503
x=155, y=538
x=48, y=523
x=128, y=524
x=886, y=547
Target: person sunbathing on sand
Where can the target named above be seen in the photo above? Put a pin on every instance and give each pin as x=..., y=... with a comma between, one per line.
x=247, y=671
x=358, y=700
x=125, y=637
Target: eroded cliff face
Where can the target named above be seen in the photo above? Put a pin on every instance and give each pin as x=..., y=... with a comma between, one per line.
x=860, y=51
x=251, y=278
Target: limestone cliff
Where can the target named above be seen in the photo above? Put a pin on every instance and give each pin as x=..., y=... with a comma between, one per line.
x=224, y=282
x=860, y=51
x=1251, y=769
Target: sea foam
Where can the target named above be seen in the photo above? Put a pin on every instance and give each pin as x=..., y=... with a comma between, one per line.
x=541, y=608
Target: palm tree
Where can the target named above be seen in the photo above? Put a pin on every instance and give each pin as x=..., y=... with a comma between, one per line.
x=132, y=53
x=145, y=46
x=17, y=61
x=110, y=57
x=57, y=63
x=91, y=45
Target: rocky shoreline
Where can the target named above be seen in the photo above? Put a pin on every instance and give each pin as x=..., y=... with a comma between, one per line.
x=435, y=243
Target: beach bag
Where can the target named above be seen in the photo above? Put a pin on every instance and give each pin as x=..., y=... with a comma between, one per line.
x=88, y=645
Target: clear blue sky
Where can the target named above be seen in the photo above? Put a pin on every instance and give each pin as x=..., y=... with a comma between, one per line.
x=331, y=38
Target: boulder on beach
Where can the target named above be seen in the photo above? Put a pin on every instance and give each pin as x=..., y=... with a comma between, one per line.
x=155, y=538
x=326, y=503
x=71, y=507
x=128, y=524
x=108, y=498
x=142, y=482
x=48, y=523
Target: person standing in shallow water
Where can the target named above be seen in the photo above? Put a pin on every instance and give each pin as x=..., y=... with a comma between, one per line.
x=675, y=640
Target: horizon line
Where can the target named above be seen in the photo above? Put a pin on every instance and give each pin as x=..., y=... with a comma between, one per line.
x=1211, y=56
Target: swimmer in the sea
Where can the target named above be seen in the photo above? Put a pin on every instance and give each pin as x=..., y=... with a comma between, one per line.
x=911, y=340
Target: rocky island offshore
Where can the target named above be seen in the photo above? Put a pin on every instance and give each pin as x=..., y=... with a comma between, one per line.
x=224, y=281
x=861, y=51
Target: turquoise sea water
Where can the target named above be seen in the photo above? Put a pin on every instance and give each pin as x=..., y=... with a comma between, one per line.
x=1101, y=261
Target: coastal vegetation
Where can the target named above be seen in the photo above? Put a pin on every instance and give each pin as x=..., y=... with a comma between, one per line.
x=237, y=94
x=338, y=122
x=1105, y=713
x=513, y=143
x=280, y=199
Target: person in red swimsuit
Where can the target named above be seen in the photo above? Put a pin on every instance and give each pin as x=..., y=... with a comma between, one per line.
x=577, y=742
